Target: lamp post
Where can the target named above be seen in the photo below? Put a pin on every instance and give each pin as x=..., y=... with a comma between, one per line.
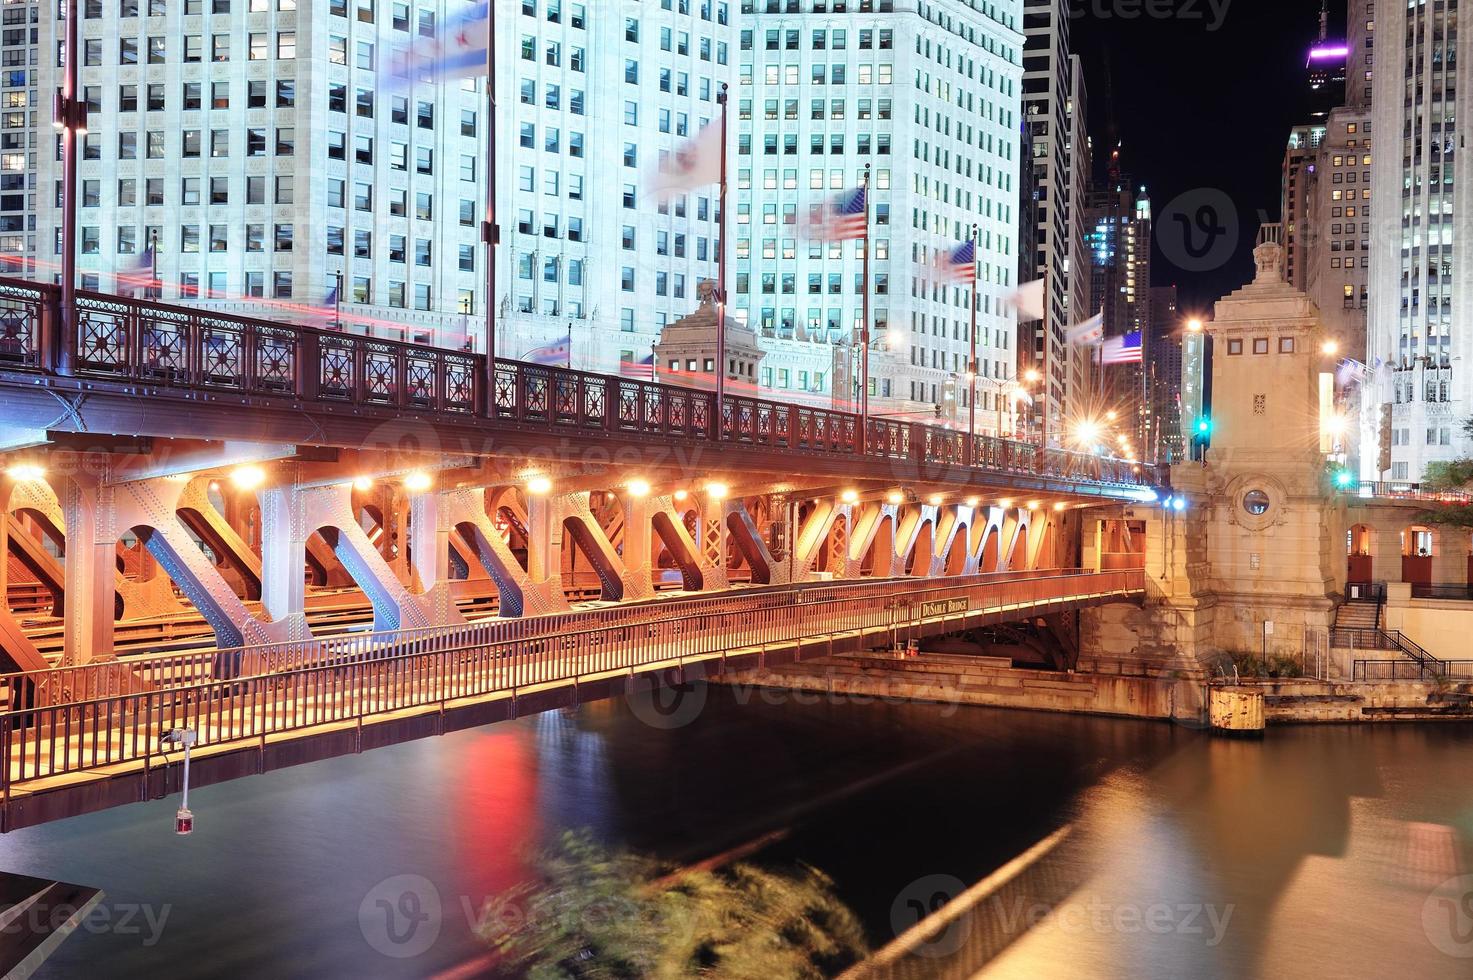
x=1002, y=386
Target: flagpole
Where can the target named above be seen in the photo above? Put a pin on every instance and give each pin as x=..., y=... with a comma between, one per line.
x=972, y=368
x=1046, y=388
x=490, y=231
x=70, y=115
x=864, y=338
x=721, y=279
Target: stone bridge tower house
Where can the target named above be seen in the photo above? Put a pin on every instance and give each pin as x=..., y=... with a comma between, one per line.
x=1256, y=557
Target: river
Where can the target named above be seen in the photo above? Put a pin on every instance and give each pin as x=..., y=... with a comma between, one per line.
x=1315, y=852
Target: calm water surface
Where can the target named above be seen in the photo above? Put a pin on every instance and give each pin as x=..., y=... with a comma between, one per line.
x=1317, y=852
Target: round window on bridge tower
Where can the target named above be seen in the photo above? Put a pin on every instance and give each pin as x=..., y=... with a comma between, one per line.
x=1256, y=502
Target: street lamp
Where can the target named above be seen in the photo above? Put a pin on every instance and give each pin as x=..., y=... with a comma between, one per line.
x=1004, y=385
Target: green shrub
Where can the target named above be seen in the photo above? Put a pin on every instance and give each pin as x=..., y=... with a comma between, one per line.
x=594, y=913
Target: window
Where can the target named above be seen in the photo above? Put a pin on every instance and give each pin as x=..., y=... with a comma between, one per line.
x=1286, y=345
x=1260, y=345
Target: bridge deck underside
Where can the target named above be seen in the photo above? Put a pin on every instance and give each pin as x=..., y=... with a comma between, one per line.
x=71, y=758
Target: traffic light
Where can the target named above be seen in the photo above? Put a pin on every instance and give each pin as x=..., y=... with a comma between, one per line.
x=1383, y=463
x=1201, y=438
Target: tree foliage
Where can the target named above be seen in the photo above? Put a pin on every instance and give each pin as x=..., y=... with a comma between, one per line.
x=595, y=914
x=1448, y=515
x=1455, y=474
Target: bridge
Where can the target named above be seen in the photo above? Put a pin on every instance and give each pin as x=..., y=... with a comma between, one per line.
x=300, y=542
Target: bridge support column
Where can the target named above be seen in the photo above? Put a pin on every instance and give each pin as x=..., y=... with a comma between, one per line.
x=283, y=557
x=301, y=512
x=549, y=517
x=518, y=594
x=91, y=555
x=544, y=545
x=711, y=538
x=638, y=578
x=429, y=552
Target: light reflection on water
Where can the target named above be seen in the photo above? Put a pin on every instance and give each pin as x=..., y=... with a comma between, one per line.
x=1313, y=853
x=1323, y=843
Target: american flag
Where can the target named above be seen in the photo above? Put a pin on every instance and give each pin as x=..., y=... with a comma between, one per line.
x=640, y=370
x=960, y=264
x=1125, y=349
x=847, y=217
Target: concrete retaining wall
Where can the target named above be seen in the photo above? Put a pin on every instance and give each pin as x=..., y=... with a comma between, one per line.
x=956, y=680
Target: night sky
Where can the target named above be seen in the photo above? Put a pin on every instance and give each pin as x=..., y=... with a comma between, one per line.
x=1203, y=113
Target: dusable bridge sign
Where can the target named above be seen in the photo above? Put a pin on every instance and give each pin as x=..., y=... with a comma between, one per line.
x=944, y=607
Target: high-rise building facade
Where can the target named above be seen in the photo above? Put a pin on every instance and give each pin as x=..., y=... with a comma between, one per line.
x=925, y=99
x=1360, y=62
x=1079, y=302
x=1421, y=302
x=1119, y=226
x=1053, y=94
x=594, y=99
x=268, y=154
x=1333, y=263
x=1294, y=198
x=1164, y=376
x=1326, y=192
x=245, y=153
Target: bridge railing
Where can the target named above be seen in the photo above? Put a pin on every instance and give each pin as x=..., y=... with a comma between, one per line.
x=81, y=682
x=1408, y=491
x=46, y=741
x=121, y=338
x=1407, y=670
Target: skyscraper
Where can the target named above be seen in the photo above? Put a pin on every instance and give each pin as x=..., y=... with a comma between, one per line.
x=1119, y=239
x=1294, y=199
x=248, y=153
x=268, y=157
x=1326, y=69
x=1164, y=376
x=1053, y=94
x=1421, y=305
x=929, y=98
x=1079, y=303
